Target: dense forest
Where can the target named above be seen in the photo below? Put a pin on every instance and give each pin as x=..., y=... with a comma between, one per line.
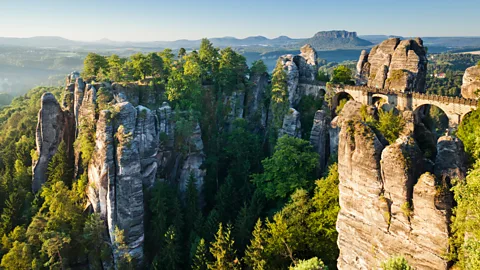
x=264, y=204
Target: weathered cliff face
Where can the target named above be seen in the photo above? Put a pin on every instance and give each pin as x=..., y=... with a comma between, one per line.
x=319, y=137
x=301, y=73
x=395, y=64
x=134, y=146
x=50, y=129
x=471, y=82
x=256, y=111
x=291, y=124
x=389, y=205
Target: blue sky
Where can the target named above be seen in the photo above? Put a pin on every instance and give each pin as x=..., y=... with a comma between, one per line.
x=170, y=20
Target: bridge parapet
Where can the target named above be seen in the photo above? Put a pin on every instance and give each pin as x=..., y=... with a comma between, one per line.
x=445, y=99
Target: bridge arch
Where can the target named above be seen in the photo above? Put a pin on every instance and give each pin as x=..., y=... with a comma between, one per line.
x=339, y=100
x=454, y=118
x=433, y=117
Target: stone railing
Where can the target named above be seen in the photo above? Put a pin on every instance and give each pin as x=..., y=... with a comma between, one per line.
x=416, y=95
x=445, y=99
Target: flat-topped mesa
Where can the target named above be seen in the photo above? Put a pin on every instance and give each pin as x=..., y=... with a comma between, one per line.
x=336, y=34
x=471, y=82
x=400, y=65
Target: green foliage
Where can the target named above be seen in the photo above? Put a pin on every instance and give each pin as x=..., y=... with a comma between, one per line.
x=232, y=70
x=469, y=132
x=85, y=142
x=467, y=215
x=156, y=64
x=342, y=75
x=60, y=167
x=322, y=76
x=396, y=263
x=291, y=167
x=200, y=261
x=222, y=250
x=340, y=106
x=279, y=94
x=303, y=229
x=255, y=253
x=258, y=68
x=142, y=65
x=94, y=63
x=389, y=124
x=307, y=108
x=311, y=264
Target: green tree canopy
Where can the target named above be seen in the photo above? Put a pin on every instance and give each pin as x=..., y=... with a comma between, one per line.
x=93, y=63
x=291, y=167
x=342, y=75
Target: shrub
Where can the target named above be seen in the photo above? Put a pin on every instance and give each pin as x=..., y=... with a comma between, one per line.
x=389, y=124
x=396, y=263
x=407, y=209
x=311, y=264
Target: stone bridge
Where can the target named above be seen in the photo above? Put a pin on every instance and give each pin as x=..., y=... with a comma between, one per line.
x=455, y=108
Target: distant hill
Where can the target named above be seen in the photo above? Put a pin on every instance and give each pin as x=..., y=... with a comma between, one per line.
x=334, y=40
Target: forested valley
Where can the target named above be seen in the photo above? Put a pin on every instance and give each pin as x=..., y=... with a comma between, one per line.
x=266, y=200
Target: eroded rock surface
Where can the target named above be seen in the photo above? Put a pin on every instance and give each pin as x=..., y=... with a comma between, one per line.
x=403, y=210
x=49, y=134
x=471, y=82
x=399, y=65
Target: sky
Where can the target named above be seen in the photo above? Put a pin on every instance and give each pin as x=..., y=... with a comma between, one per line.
x=150, y=20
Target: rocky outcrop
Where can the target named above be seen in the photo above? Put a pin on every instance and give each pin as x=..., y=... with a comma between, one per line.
x=192, y=165
x=451, y=160
x=471, y=82
x=389, y=206
x=134, y=146
x=307, y=63
x=399, y=65
x=49, y=134
x=291, y=124
x=319, y=136
x=256, y=111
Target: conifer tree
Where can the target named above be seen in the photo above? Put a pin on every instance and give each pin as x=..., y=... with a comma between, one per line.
x=255, y=253
x=200, y=261
x=171, y=253
x=223, y=251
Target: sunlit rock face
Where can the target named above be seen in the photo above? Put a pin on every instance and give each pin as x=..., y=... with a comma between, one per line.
x=471, y=83
x=390, y=204
x=395, y=64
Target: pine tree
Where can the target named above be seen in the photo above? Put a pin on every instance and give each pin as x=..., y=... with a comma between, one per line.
x=242, y=228
x=171, y=254
x=59, y=168
x=222, y=250
x=192, y=210
x=254, y=255
x=200, y=261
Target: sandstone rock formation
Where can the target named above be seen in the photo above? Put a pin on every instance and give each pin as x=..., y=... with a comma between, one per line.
x=471, y=83
x=319, y=136
x=134, y=146
x=399, y=65
x=403, y=210
x=291, y=124
x=49, y=134
x=256, y=111
x=301, y=73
